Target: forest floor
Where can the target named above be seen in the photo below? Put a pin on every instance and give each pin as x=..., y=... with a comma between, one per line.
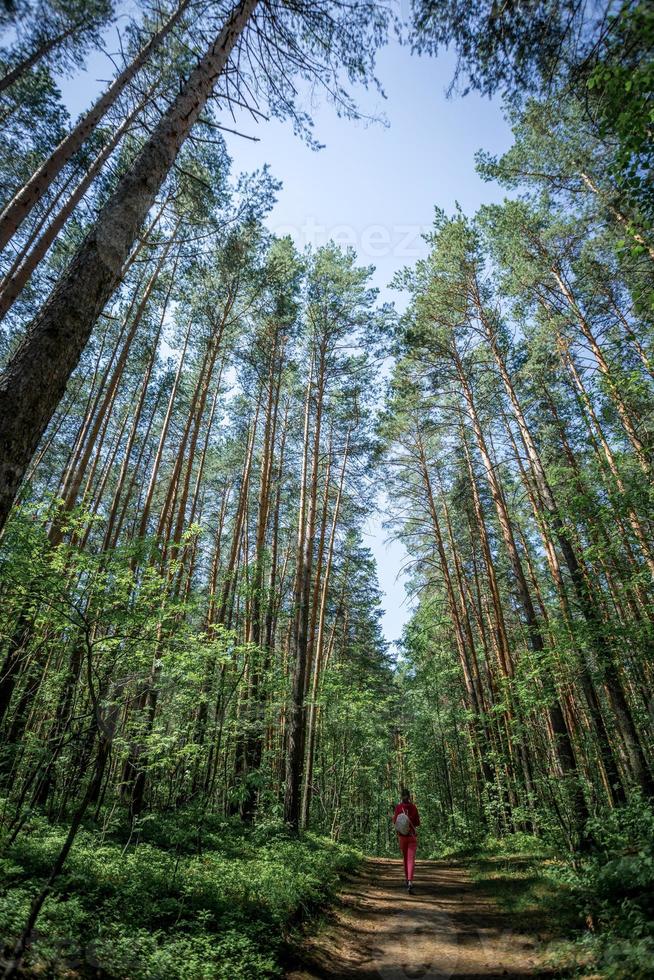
x=456, y=924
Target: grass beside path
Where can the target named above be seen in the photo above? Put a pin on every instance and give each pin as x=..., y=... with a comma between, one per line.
x=537, y=893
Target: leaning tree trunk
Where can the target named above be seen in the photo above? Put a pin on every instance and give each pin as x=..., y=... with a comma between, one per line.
x=102, y=728
x=35, y=379
x=30, y=194
x=20, y=272
x=629, y=423
x=36, y=55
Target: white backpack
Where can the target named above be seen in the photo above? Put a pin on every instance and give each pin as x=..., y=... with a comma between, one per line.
x=403, y=824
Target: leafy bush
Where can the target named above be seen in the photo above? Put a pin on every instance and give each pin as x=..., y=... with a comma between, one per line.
x=617, y=887
x=597, y=911
x=150, y=911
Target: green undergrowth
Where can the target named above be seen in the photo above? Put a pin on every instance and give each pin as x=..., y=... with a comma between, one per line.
x=171, y=904
x=592, y=916
x=616, y=885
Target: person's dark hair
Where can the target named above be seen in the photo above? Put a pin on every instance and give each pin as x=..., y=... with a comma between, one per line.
x=406, y=794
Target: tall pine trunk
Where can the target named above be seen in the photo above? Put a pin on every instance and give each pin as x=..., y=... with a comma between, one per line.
x=35, y=379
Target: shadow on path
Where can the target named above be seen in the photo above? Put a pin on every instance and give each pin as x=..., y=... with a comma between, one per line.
x=448, y=928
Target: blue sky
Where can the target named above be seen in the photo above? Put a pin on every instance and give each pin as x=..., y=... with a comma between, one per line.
x=372, y=186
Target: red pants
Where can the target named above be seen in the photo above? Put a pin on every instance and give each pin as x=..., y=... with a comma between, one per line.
x=408, y=844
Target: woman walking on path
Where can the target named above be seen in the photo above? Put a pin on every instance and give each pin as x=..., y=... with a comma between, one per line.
x=407, y=819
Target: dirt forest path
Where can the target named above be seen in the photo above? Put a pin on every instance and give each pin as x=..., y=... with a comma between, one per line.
x=450, y=927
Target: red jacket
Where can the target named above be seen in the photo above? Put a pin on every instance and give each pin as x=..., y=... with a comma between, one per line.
x=412, y=813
